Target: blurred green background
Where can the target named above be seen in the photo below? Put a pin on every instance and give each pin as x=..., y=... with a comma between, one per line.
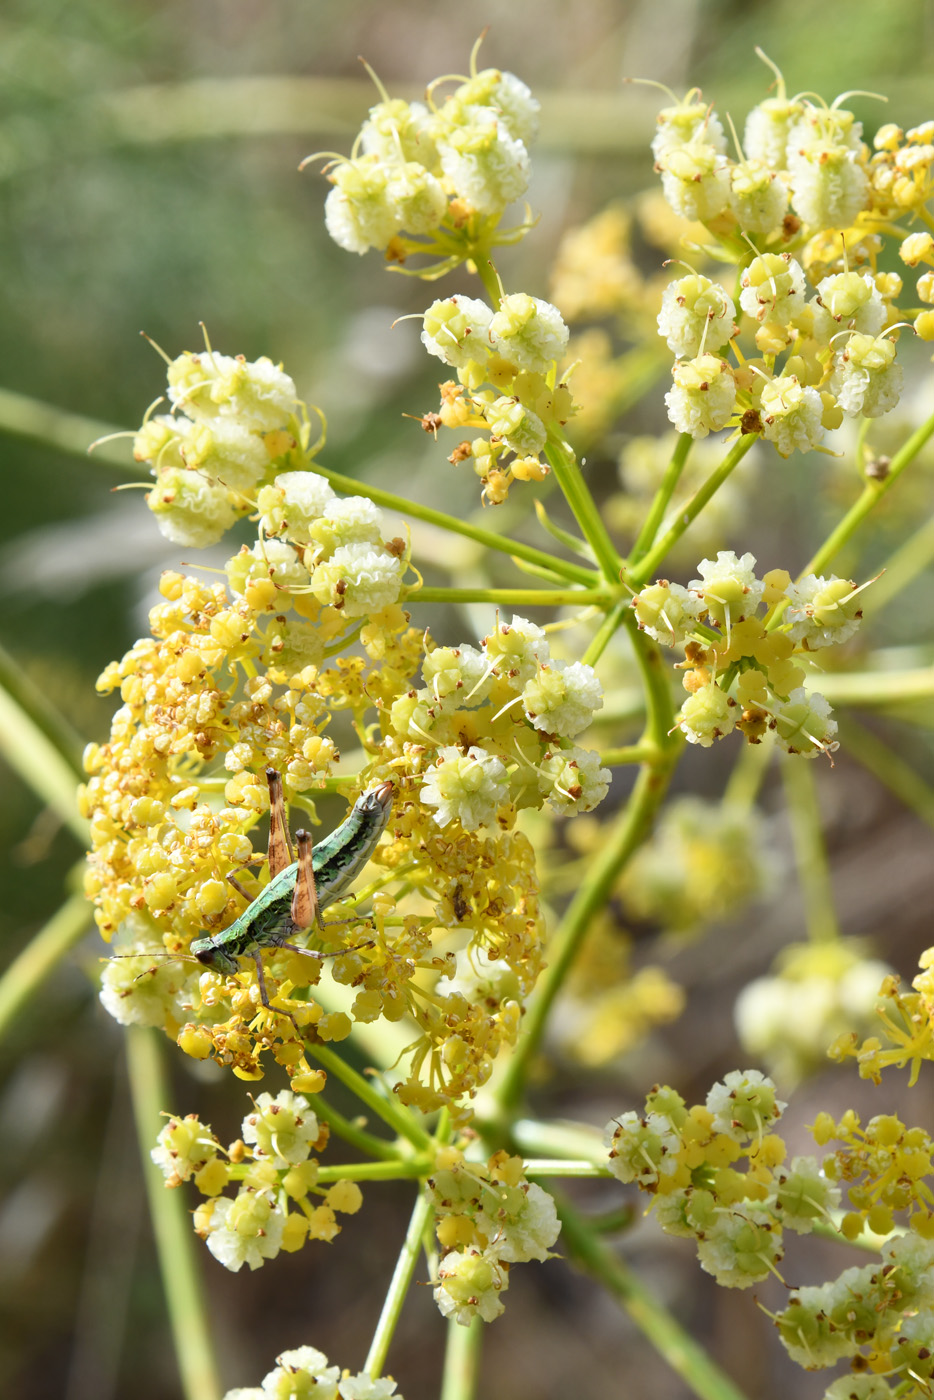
x=148, y=181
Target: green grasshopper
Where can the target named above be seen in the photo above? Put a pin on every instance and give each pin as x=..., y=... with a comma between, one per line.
x=299, y=889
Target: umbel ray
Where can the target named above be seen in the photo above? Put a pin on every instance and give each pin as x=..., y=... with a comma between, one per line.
x=299, y=889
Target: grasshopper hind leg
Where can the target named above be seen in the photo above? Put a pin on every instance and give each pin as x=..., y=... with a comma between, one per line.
x=280, y=847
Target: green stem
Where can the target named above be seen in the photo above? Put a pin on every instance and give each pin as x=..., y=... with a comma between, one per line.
x=901, y=568
x=41, y=422
x=629, y=753
x=890, y=768
x=570, y=1140
x=36, y=704
x=486, y=271
x=398, y=1169
x=810, y=850
x=171, y=1225
x=462, y=1360
x=543, y=1167
x=575, y=573
x=662, y=498
x=569, y=477
x=39, y=759
x=872, y=492
x=382, y=1104
x=357, y=1137
x=41, y=956
x=874, y=688
x=608, y=627
x=747, y=776
x=621, y=840
x=515, y=597
x=650, y=562
x=399, y=1285
x=684, y=1355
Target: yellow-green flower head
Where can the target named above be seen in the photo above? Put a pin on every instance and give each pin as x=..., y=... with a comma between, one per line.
x=848, y=301
x=866, y=379
x=917, y=248
x=695, y=180
x=706, y=715
x=767, y=129
x=667, y=612
x=804, y=1195
x=226, y=450
x=573, y=780
x=702, y=396
x=807, y=1332
x=400, y=132
x=528, y=332
x=245, y=1229
x=791, y=415
x=642, y=1149
x=524, y=1227
x=520, y=429
x=160, y=441
x=268, y=559
x=466, y=787
x=741, y=1247
x=283, y=1129
x=516, y=650
x=346, y=520
x=758, y=197
x=803, y=723
x=688, y=120
x=145, y=990
x=482, y=163
x=190, y=507
x=817, y=125
x=359, y=213
x=773, y=288
x=457, y=330
x=562, y=697
x=184, y=1146
x=259, y=394
x=828, y=187
x=822, y=611
x=358, y=579
x=860, y=1386
x=744, y=1105
x=459, y=674
x=508, y=96
x=363, y=1387
x=419, y=202
x=728, y=587
x=695, y=312
x=470, y=1284
x=299, y=1375
x=293, y=503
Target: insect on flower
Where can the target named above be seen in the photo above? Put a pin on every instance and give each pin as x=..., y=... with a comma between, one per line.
x=299, y=889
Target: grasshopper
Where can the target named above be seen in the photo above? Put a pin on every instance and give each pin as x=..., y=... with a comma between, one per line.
x=298, y=890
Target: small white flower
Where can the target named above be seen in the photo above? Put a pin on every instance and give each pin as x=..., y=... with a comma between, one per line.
x=483, y=164
x=190, y=507
x=470, y=1284
x=516, y=649
x=728, y=587
x=695, y=180
x=245, y=1229
x=706, y=715
x=457, y=330
x=282, y=1129
x=822, y=611
x=293, y=503
x=561, y=698
x=791, y=415
x=702, y=396
x=529, y=332
x=767, y=129
x=667, y=612
x=358, y=579
x=828, y=188
x=773, y=288
x=690, y=119
x=573, y=780
x=695, y=312
x=468, y=787
x=359, y=212
x=848, y=301
x=803, y=724
x=866, y=378
x=758, y=197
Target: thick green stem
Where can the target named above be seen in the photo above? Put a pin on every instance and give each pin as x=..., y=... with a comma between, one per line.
x=382, y=1104
x=351, y=1133
x=569, y=477
x=399, y=1169
x=629, y=753
x=608, y=627
x=41, y=956
x=872, y=689
x=683, y=1354
x=648, y=565
x=462, y=1360
x=399, y=1285
x=45, y=764
x=171, y=1225
x=515, y=597
x=575, y=573
x=810, y=850
x=44, y=423
x=662, y=498
x=872, y=492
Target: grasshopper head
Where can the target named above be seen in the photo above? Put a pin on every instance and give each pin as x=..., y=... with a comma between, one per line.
x=208, y=953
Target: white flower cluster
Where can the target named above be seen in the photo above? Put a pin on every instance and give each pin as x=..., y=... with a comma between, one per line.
x=806, y=171
x=229, y=423
x=527, y=706
x=305, y=1371
x=677, y=1156
x=764, y=687
x=515, y=352
x=490, y=1217
x=411, y=162
x=819, y=991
